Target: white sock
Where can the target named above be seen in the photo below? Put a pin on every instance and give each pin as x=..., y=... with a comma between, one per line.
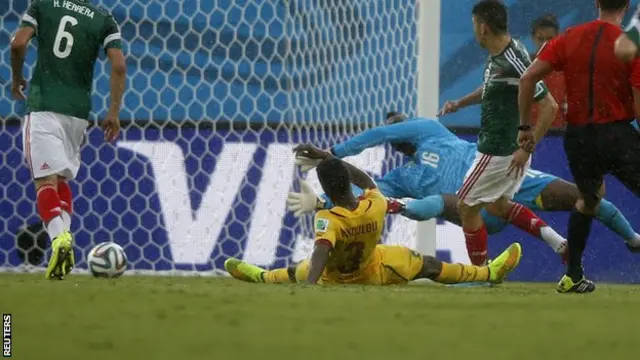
x=66, y=218
x=55, y=227
x=635, y=242
x=551, y=237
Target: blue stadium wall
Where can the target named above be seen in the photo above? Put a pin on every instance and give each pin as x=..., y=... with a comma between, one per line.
x=132, y=209
x=462, y=60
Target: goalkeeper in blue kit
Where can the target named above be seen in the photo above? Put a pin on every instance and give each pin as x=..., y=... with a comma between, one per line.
x=438, y=162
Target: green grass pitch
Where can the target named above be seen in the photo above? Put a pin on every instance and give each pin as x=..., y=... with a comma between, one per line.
x=219, y=318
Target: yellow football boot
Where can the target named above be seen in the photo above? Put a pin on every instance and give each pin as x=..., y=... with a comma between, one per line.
x=243, y=271
x=566, y=285
x=62, y=259
x=501, y=266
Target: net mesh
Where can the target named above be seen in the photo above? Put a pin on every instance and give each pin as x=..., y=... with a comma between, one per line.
x=218, y=94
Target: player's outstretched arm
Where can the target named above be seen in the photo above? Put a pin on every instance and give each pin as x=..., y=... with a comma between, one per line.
x=18, y=51
x=111, y=123
x=406, y=131
x=358, y=177
x=473, y=98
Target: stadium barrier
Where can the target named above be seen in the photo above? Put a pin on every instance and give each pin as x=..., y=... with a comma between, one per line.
x=181, y=192
x=181, y=204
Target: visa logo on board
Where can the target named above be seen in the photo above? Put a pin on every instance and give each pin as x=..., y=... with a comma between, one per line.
x=193, y=233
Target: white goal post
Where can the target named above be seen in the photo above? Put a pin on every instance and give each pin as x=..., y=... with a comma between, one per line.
x=428, y=94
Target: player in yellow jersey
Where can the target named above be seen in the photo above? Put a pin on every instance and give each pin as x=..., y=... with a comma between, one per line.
x=346, y=247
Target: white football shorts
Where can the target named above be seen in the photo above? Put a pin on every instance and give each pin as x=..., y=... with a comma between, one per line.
x=487, y=180
x=51, y=143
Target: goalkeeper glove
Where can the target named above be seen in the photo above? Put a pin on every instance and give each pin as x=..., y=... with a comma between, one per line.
x=305, y=201
x=306, y=164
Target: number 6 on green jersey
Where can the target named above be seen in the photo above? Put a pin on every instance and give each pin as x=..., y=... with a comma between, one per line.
x=69, y=35
x=58, y=50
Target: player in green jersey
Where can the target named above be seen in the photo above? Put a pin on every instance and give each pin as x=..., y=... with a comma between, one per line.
x=69, y=34
x=628, y=43
x=499, y=166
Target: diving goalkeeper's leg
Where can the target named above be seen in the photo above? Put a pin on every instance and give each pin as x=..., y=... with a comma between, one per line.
x=244, y=271
x=495, y=272
x=443, y=206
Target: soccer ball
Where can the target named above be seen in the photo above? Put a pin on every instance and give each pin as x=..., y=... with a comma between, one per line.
x=107, y=259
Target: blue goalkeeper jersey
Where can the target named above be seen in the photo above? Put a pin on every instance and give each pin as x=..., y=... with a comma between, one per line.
x=438, y=166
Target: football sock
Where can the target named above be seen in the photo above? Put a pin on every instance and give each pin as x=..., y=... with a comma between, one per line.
x=579, y=229
x=635, y=242
x=276, y=276
x=49, y=209
x=66, y=201
x=526, y=220
x=424, y=209
x=610, y=216
x=460, y=273
x=476, y=241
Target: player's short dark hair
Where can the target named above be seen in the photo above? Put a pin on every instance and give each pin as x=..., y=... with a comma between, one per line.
x=391, y=114
x=613, y=5
x=494, y=14
x=394, y=117
x=546, y=21
x=334, y=178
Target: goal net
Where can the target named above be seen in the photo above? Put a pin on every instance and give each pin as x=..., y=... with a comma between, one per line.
x=219, y=92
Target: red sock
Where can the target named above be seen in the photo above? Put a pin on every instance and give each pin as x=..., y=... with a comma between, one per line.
x=476, y=241
x=66, y=197
x=48, y=203
x=525, y=219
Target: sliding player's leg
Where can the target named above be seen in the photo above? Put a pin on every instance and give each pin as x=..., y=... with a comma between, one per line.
x=444, y=207
x=440, y=206
x=47, y=154
x=399, y=265
x=560, y=195
x=244, y=271
x=419, y=209
x=495, y=272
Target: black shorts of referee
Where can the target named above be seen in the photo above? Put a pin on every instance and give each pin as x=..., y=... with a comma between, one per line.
x=595, y=150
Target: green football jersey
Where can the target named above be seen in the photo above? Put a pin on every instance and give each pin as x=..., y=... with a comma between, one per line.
x=633, y=29
x=69, y=35
x=500, y=117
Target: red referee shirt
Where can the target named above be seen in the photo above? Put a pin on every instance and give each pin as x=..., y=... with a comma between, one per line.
x=555, y=84
x=598, y=85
